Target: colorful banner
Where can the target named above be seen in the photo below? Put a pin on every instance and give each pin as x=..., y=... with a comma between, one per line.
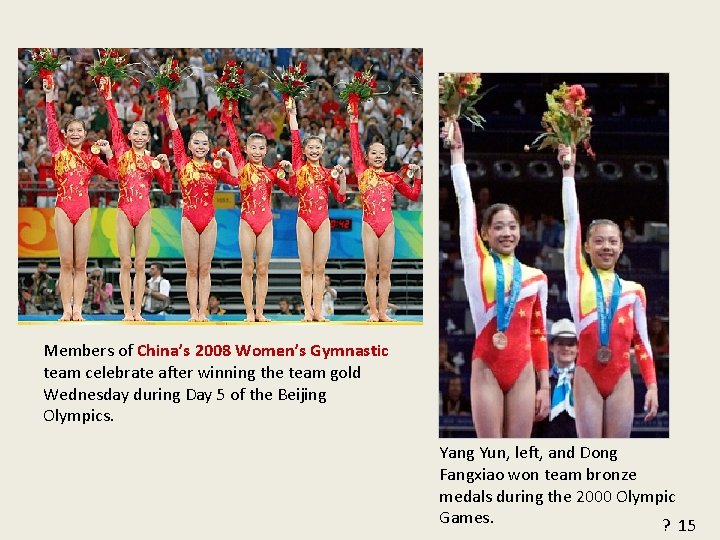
x=36, y=234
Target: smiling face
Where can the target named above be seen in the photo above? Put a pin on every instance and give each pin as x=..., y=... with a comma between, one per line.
x=75, y=133
x=502, y=232
x=256, y=149
x=139, y=135
x=564, y=350
x=313, y=149
x=604, y=245
x=199, y=145
x=376, y=156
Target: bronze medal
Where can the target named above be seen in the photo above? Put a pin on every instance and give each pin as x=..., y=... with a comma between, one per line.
x=155, y=164
x=499, y=339
x=95, y=149
x=604, y=354
x=334, y=173
x=217, y=163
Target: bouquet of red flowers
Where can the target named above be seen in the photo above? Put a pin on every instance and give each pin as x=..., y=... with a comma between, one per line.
x=458, y=97
x=230, y=87
x=44, y=62
x=291, y=84
x=112, y=64
x=567, y=121
x=361, y=87
x=167, y=79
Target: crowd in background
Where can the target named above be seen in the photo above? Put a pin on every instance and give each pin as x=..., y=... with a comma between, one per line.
x=393, y=116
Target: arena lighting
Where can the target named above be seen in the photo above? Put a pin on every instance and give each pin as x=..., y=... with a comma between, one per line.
x=609, y=170
x=475, y=168
x=644, y=170
x=540, y=170
x=506, y=169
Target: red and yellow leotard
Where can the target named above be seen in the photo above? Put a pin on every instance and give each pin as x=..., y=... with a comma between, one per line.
x=377, y=188
x=73, y=170
x=629, y=325
x=310, y=185
x=135, y=173
x=526, y=332
x=256, y=183
x=197, y=185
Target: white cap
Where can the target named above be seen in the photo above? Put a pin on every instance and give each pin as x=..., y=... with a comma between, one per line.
x=563, y=328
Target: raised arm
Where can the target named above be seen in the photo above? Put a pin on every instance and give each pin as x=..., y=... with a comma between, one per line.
x=181, y=157
x=118, y=141
x=356, y=150
x=234, y=141
x=575, y=264
x=472, y=249
x=297, y=160
x=53, y=133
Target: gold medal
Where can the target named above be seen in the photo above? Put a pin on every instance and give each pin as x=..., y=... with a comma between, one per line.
x=155, y=164
x=410, y=173
x=334, y=173
x=604, y=354
x=499, y=339
x=95, y=149
x=217, y=163
x=280, y=174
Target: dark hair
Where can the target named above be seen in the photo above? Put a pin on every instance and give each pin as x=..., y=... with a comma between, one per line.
x=309, y=138
x=159, y=266
x=494, y=209
x=257, y=136
x=73, y=120
x=595, y=222
x=197, y=132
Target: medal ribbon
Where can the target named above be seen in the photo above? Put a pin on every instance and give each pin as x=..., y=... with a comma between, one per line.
x=505, y=311
x=605, y=313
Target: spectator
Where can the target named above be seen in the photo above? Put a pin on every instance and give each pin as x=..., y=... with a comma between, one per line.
x=329, y=297
x=40, y=293
x=446, y=365
x=455, y=403
x=658, y=336
x=214, y=307
x=98, y=295
x=629, y=231
x=564, y=349
x=284, y=306
x=157, y=291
